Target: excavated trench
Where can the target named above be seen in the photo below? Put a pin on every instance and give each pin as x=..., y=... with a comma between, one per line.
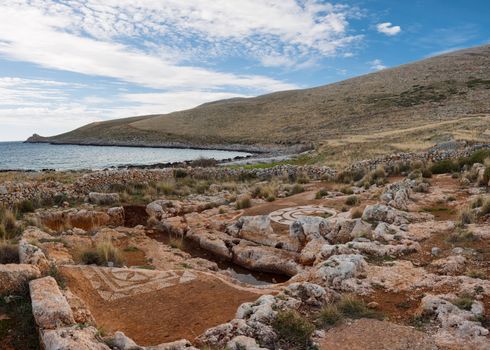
x=136, y=215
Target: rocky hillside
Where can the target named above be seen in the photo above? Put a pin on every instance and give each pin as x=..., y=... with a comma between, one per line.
x=434, y=92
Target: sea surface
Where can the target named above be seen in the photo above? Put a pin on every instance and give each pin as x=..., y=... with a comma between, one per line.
x=38, y=156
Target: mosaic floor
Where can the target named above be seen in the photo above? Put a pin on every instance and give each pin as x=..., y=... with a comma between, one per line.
x=287, y=216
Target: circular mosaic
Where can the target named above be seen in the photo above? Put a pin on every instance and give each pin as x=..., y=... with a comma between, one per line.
x=287, y=216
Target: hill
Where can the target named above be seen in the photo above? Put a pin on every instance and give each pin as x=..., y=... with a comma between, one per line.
x=403, y=108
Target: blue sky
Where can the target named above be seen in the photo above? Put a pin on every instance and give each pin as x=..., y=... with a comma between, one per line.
x=67, y=63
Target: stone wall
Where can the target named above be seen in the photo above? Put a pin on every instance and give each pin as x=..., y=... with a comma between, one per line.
x=434, y=154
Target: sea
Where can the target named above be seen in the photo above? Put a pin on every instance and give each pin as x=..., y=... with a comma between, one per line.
x=40, y=156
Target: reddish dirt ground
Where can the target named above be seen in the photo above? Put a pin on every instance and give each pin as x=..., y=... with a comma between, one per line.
x=181, y=311
x=135, y=215
x=366, y=334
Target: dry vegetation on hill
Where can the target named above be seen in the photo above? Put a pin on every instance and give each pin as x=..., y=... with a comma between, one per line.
x=402, y=108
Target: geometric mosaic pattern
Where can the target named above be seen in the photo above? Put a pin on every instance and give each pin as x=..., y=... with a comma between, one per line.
x=287, y=216
x=115, y=283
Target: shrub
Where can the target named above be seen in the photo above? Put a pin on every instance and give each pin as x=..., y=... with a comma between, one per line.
x=90, y=257
x=243, y=203
x=204, y=162
x=176, y=242
x=304, y=179
x=426, y=173
x=477, y=202
x=8, y=224
x=481, y=274
x=295, y=189
x=55, y=273
x=464, y=302
x=462, y=236
x=270, y=198
x=329, y=315
x=321, y=193
x=486, y=176
x=293, y=330
x=476, y=157
x=108, y=253
x=444, y=167
x=103, y=253
x=415, y=174
x=9, y=253
x=347, y=190
x=352, y=307
x=466, y=216
x=485, y=207
x=26, y=206
x=180, y=173
x=352, y=200
x=167, y=188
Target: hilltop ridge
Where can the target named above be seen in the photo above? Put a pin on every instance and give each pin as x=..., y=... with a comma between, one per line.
x=436, y=99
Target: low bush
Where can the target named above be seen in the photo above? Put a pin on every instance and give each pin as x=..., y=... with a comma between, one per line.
x=102, y=254
x=243, y=203
x=463, y=302
x=477, y=202
x=204, y=162
x=461, y=236
x=295, y=189
x=352, y=200
x=26, y=206
x=444, y=167
x=9, y=227
x=476, y=157
x=485, y=207
x=466, y=216
x=9, y=253
x=90, y=257
x=347, y=190
x=352, y=307
x=321, y=193
x=486, y=177
x=59, y=278
x=329, y=316
x=176, y=242
x=481, y=274
x=180, y=173
x=293, y=330
x=426, y=173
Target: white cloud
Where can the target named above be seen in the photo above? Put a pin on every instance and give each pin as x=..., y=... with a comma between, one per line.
x=388, y=29
x=216, y=27
x=167, y=46
x=46, y=107
x=377, y=64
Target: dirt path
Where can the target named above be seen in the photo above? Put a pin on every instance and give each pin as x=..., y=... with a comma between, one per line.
x=176, y=309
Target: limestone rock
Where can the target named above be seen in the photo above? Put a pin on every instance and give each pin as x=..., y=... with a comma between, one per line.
x=339, y=268
x=13, y=277
x=116, y=215
x=461, y=325
x=452, y=265
x=266, y=259
x=31, y=254
x=257, y=229
x=309, y=293
x=49, y=306
x=122, y=342
x=72, y=338
x=182, y=344
x=103, y=198
x=242, y=342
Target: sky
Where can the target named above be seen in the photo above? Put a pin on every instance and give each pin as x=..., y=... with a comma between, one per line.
x=67, y=63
